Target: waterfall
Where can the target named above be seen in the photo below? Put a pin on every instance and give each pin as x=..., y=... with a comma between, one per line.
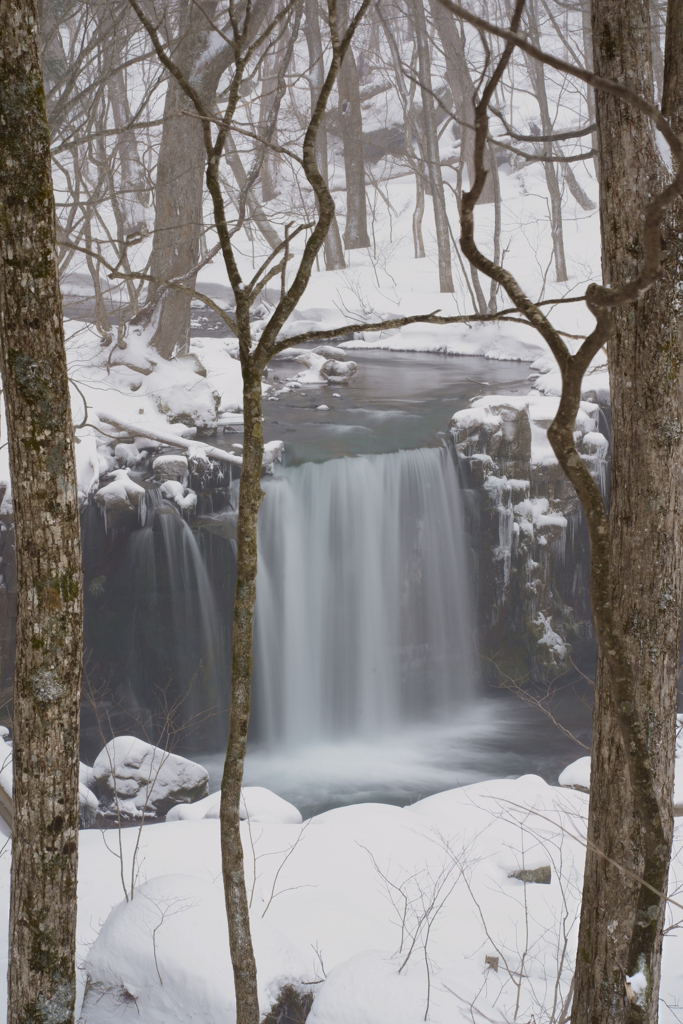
x=155, y=635
x=363, y=611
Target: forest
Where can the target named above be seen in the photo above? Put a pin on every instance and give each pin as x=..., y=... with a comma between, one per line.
x=341, y=511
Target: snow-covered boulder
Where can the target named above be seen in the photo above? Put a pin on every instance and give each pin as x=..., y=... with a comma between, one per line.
x=184, y=498
x=272, y=453
x=164, y=956
x=258, y=805
x=337, y=371
x=129, y=454
x=577, y=775
x=135, y=778
x=122, y=494
x=170, y=467
x=330, y=352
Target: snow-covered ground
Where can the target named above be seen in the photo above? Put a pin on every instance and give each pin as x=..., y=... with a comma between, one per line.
x=437, y=911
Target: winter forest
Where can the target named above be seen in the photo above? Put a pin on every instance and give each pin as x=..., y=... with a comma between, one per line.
x=341, y=511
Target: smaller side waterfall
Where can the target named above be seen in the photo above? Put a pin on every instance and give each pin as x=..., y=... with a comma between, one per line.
x=155, y=636
x=363, y=618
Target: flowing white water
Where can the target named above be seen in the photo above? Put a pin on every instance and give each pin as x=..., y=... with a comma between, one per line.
x=363, y=611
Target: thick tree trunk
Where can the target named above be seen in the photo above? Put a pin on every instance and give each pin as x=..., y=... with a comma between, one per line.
x=42, y=967
x=250, y=497
x=621, y=921
x=432, y=158
x=180, y=179
x=351, y=122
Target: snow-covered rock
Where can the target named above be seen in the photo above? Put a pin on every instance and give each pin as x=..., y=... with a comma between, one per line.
x=129, y=454
x=122, y=494
x=577, y=775
x=135, y=778
x=258, y=805
x=337, y=371
x=170, y=467
x=184, y=498
x=164, y=956
x=331, y=352
x=272, y=453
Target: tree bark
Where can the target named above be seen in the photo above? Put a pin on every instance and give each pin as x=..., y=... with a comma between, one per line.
x=42, y=967
x=351, y=121
x=621, y=921
x=462, y=91
x=180, y=180
x=269, y=84
x=250, y=498
x=333, y=248
x=432, y=158
x=537, y=76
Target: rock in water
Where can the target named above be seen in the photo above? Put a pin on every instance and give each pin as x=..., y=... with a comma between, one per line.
x=336, y=371
x=170, y=467
x=134, y=778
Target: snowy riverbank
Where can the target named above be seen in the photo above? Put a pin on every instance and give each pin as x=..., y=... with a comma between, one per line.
x=386, y=915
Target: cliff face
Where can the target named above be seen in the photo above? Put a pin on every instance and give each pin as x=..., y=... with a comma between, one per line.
x=527, y=533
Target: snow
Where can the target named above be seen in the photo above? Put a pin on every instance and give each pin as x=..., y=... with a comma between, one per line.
x=272, y=453
x=550, y=639
x=327, y=902
x=184, y=498
x=165, y=956
x=258, y=805
x=638, y=983
x=121, y=492
x=577, y=775
x=504, y=341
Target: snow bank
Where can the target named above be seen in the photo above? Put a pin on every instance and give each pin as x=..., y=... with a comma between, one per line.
x=493, y=341
x=165, y=956
x=258, y=805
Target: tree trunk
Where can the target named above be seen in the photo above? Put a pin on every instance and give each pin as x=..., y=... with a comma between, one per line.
x=537, y=76
x=180, y=181
x=432, y=159
x=621, y=921
x=269, y=83
x=42, y=964
x=418, y=214
x=334, y=250
x=462, y=91
x=587, y=33
x=250, y=497
x=351, y=122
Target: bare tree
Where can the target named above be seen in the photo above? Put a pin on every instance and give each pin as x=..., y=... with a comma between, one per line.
x=636, y=570
x=351, y=126
x=42, y=969
x=431, y=148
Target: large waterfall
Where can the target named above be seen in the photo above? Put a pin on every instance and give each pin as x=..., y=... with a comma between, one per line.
x=363, y=612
